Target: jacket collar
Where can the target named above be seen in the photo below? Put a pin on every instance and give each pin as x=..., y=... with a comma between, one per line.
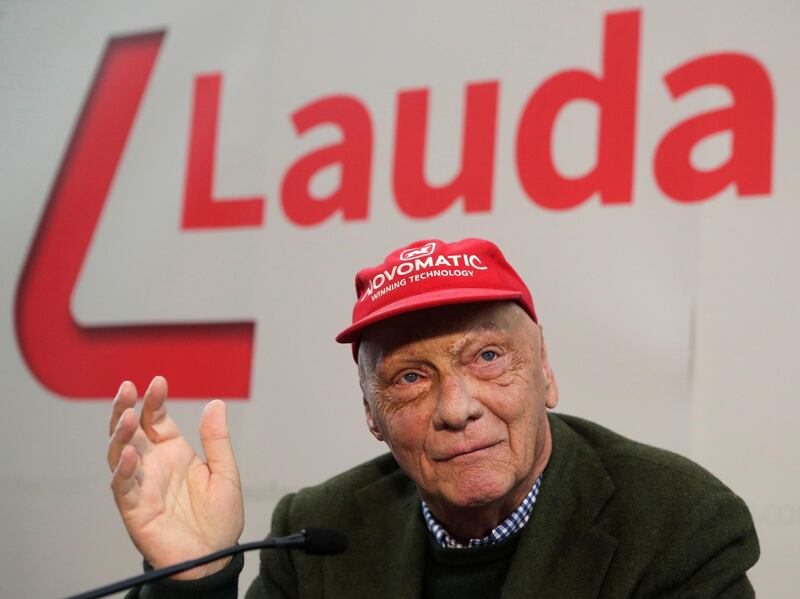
x=561, y=551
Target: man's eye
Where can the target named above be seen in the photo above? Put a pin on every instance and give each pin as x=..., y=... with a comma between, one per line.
x=489, y=355
x=410, y=377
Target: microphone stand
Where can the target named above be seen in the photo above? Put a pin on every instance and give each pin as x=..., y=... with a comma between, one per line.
x=328, y=542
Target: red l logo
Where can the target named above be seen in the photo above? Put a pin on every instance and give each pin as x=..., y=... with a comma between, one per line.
x=200, y=360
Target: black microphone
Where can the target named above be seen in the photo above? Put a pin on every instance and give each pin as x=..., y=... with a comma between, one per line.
x=314, y=541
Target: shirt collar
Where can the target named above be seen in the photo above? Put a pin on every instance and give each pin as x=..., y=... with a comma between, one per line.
x=514, y=523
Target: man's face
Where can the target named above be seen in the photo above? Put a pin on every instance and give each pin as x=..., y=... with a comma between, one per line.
x=459, y=395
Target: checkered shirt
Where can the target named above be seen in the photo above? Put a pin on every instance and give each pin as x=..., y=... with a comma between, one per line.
x=514, y=523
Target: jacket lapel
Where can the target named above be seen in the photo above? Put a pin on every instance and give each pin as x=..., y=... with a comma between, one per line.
x=561, y=552
x=386, y=557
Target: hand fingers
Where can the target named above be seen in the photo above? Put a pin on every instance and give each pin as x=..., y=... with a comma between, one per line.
x=125, y=398
x=127, y=433
x=124, y=484
x=217, y=442
x=157, y=425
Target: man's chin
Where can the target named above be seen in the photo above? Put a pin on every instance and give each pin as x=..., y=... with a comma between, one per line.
x=477, y=492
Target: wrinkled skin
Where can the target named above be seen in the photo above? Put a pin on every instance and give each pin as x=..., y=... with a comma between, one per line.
x=459, y=394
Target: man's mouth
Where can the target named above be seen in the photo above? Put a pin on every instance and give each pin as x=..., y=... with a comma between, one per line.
x=466, y=450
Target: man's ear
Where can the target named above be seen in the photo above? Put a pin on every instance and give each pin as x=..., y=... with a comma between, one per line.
x=550, y=384
x=373, y=428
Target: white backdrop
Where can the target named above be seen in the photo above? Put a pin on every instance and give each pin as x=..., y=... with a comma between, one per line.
x=673, y=322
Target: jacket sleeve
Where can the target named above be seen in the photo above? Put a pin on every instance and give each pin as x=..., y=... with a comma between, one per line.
x=220, y=585
x=708, y=555
x=277, y=575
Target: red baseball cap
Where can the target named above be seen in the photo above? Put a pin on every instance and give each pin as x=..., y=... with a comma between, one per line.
x=430, y=273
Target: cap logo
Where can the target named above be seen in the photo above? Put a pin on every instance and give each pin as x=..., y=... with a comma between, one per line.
x=418, y=252
x=419, y=265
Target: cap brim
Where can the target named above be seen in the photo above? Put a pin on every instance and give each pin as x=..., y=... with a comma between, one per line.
x=430, y=299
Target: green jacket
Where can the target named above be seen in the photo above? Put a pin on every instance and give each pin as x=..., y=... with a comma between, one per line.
x=613, y=518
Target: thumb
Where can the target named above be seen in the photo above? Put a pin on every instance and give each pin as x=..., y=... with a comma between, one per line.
x=216, y=441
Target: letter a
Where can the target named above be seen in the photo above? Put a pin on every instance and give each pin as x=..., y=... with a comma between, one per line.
x=353, y=153
x=749, y=119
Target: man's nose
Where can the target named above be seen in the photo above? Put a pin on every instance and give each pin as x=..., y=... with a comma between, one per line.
x=456, y=403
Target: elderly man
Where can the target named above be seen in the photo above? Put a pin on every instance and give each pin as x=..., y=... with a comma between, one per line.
x=484, y=494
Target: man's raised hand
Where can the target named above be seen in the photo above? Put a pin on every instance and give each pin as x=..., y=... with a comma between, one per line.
x=175, y=505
